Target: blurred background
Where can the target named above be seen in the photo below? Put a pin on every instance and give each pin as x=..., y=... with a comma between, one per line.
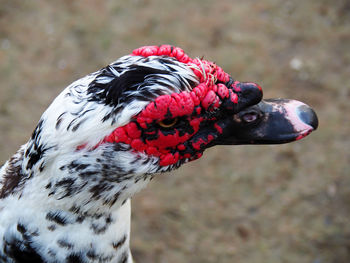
x=286, y=203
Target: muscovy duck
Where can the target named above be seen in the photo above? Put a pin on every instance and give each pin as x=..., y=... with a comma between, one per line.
x=65, y=195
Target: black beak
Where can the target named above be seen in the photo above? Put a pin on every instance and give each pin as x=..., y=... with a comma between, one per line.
x=271, y=121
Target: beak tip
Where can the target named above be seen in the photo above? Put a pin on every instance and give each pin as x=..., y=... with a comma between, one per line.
x=308, y=116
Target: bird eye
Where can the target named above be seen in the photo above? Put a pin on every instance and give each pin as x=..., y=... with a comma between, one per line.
x=250, y=117
x=167, y=123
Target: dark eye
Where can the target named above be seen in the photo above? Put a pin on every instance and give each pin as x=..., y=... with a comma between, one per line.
x=250, y=117
x=167, y=123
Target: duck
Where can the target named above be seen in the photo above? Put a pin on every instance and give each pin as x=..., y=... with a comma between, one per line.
x=65, y=194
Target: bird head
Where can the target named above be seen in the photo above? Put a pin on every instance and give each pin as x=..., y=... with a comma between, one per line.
x=192, y=104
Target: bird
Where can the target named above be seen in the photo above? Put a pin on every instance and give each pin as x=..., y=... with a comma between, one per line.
x=65, y=194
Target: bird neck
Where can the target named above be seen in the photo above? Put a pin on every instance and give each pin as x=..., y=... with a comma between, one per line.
x=88, y=182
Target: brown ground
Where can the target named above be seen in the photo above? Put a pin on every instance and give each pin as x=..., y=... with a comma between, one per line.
x=288, y=203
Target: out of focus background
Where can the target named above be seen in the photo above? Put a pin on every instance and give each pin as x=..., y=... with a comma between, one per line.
x=249, y=204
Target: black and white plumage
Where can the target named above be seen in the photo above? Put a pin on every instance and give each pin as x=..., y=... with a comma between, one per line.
x=65, y=195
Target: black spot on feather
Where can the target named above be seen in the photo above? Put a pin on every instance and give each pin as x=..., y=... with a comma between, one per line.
x=14, y=178
x=117, y=245
x=57, y=217
x=65, y=244
x=35, y=151
x=59, y=120
x=111, y=93
x=51, y=227
x=21, y=250
x=124, y=257
x=75, y=258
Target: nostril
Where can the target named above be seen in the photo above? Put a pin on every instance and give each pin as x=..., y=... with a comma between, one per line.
x=308, y=116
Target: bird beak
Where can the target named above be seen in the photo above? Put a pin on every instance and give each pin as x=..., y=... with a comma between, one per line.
x=272, y=121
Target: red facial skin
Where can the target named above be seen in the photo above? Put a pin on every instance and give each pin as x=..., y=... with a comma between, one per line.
x=144, y=134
